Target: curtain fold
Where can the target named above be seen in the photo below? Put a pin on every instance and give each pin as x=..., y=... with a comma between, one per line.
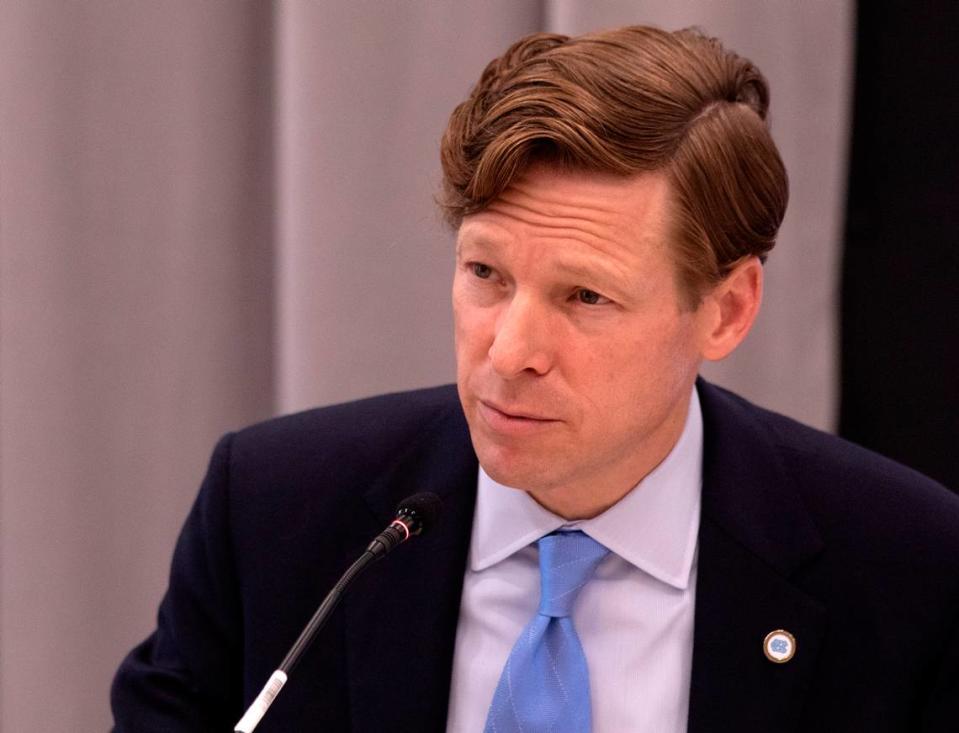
x=135, y=316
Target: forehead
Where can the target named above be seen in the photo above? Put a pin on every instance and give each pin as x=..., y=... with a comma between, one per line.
x=603, y=213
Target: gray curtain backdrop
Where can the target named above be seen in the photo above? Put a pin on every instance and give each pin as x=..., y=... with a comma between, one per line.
x=213, y=212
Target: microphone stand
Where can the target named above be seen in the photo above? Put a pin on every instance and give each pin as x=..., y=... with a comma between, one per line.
x=415, y=515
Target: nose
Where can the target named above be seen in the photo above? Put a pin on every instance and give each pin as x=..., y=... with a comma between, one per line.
x=520, y=344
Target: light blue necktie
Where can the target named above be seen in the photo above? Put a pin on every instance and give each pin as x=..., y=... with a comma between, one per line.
x=545, y=683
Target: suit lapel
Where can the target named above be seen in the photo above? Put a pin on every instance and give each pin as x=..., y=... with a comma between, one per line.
x=739, y=601
x=401, y=616
x=754, y=537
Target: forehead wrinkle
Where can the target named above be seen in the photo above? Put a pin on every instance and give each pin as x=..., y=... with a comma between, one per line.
x=544, y=209
x=573, y=260
x=555, y=197
x=569, y=224
x=615, y=244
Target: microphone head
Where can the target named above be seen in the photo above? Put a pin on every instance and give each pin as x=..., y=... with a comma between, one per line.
x=419, y=512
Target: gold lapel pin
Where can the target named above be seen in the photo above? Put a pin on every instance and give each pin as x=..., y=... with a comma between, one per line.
x=779, y=646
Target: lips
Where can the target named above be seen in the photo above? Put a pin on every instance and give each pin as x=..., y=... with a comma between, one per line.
x=511, y=422
x=515, y=412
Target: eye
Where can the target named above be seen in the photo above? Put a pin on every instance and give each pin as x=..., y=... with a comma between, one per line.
x=481, y=271
x=590, y=297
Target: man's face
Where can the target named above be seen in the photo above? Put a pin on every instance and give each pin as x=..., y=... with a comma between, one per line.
x=575, y=357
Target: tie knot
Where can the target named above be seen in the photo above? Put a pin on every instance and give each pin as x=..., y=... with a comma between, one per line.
x=566, y=563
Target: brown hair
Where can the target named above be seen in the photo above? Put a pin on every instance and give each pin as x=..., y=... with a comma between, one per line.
x=628, y=101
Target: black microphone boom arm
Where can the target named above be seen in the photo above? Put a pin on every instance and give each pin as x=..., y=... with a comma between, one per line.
x=415, y=515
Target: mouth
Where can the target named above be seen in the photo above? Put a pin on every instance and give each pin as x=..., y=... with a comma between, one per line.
x=512, y=420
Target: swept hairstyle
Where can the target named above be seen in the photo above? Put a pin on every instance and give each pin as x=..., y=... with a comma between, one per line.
x=629, y=101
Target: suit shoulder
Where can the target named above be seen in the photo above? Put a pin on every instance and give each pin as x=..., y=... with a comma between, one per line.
x=848, y=486
x=817, y=448
x=297, y=469
x=381, y=422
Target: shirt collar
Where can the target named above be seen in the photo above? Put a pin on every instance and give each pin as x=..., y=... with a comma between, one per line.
x=653, y=527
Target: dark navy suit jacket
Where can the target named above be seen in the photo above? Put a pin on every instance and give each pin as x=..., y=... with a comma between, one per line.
x=856, y=556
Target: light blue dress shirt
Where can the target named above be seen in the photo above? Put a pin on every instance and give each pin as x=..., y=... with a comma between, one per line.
x=634, y=618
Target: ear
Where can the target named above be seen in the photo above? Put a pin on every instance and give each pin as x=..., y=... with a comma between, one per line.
x=730, y=309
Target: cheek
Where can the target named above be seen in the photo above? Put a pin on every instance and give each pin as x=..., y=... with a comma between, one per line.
x=471, y=330
x=461, y=313
x=598, y=371
x=643, y=365
x=671, y=364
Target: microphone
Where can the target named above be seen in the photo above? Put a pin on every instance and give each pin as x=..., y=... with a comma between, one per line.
x=415, y=515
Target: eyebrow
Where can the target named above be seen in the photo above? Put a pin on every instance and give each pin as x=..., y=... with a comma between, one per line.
x=480, y=242
x=607, y=279
x=611, y=279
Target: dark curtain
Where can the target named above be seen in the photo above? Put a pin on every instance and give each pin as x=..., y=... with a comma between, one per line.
x=900, y=339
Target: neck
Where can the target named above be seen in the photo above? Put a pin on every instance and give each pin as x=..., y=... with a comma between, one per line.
x=571, y=509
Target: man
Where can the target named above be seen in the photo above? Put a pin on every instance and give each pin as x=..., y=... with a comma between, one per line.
x=614, y=197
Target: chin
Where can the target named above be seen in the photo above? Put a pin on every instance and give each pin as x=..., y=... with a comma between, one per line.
x=517, y=472
x=517, y=462
x=504, y=476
